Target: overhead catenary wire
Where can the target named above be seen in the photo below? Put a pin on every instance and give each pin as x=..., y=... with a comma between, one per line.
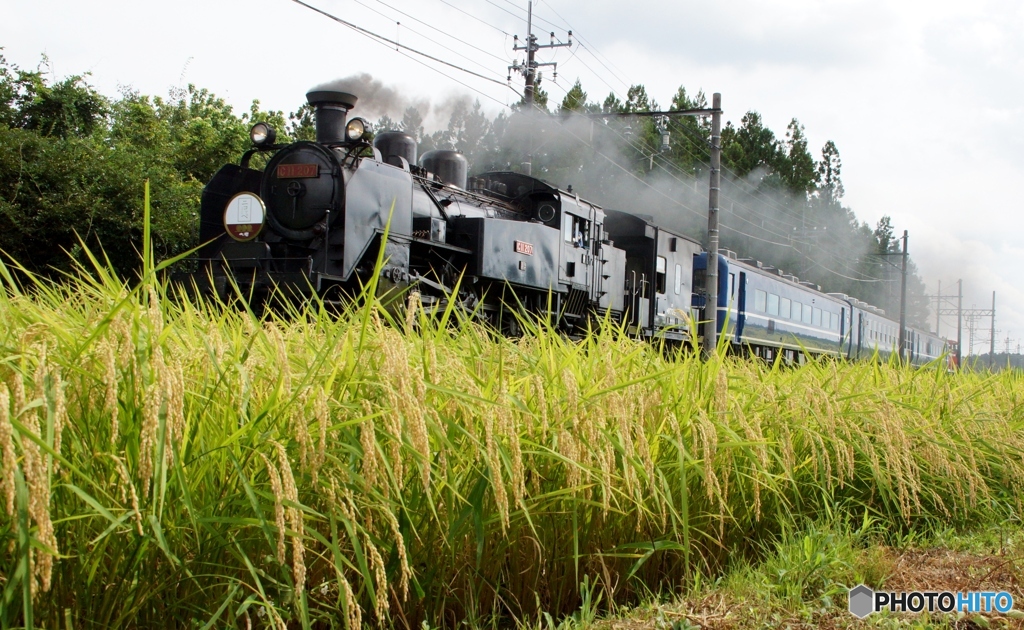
x=442, y=31
x=484, y=22
x=397, y=45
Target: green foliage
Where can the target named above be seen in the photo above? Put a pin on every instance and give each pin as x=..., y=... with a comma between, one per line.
x=575, y=99
x=750, y=147
x=73, y=163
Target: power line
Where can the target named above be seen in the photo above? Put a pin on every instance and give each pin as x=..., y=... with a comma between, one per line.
x=471, y=60
x=392, y=42
x=443, y=32
x=460, y=10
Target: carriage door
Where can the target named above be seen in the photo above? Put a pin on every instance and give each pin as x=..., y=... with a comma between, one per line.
x=842, y=332
x=738, y=300
x=860, y=332
x=575, y=260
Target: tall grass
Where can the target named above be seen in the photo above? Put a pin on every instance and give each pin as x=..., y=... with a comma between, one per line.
x=170, y=462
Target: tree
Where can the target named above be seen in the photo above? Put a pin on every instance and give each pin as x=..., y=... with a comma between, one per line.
x=690, y=135
x=575, y=99
x=885, y=240
x=797, y=170
x=412, y=123
x=637, y=100
x=72, y=107
x=830, y=186
x=611, y=104
x=750, y=147
x=301, y=125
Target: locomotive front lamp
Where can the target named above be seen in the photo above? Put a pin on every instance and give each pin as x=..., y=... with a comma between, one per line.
x=355, y=129
x=262, y=134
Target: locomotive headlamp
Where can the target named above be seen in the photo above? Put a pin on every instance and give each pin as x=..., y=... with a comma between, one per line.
x=355, y=129
x=262, y=134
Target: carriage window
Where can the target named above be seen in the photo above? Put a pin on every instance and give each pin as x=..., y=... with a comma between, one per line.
x=784, y=308
x=773, y=304
x=808, y=309
x=679, y=279
x=760, y=300
x=661, y=274
x=798, y=310
x=817, y=316
x=575, y=230
x=732, y=285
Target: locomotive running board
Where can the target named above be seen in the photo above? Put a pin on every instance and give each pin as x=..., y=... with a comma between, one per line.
x=454, y=248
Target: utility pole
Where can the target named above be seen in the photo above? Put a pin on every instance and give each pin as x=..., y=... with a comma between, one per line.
x=992, y=338
x=959, y=321
x=711, y=275
x=529, y=70
x=938, y=308
x=903, y=301
x=710, y=289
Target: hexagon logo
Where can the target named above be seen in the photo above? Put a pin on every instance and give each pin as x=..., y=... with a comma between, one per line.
x=861, y=601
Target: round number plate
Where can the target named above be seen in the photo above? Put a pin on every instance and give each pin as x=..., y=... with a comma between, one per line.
x=243, y=216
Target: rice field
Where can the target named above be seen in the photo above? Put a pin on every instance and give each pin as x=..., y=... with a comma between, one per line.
x=171, y=463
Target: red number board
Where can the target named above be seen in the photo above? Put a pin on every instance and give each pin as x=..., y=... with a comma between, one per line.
x=294, y=171
x=522, y=247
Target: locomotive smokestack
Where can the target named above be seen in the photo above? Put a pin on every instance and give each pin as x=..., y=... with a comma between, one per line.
x=331, y=109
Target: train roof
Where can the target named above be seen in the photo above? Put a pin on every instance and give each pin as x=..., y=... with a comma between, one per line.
x=629, y=224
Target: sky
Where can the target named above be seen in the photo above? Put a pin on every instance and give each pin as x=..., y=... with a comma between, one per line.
x=923, y=99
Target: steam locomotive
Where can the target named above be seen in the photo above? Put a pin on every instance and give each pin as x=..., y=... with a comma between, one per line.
x=320, y=215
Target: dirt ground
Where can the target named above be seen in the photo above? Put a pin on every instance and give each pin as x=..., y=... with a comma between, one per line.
x=926, y=569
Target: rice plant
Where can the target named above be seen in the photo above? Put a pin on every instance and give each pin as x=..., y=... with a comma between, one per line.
x=170, y=462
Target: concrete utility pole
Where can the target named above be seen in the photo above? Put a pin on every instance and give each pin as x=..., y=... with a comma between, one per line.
x=903, y=302
x=992, y=338
x=529, y=70
x=710, y=288
x=959, y=321
x=711, y=275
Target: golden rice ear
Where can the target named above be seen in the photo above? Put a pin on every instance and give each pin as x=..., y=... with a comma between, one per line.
x=7, y=450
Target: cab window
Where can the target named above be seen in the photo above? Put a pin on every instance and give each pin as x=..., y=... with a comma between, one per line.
x=575, y=230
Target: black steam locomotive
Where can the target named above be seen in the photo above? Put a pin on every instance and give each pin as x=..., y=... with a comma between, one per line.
x=314, y=220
